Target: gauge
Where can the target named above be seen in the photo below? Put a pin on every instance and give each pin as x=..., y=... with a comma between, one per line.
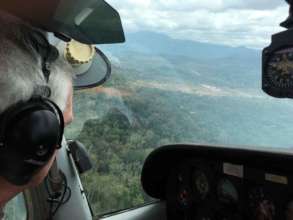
x=280, y=69
x=265, y=210
x=184, y=197
x=200, y=183
x=261, y=207
x=227, y=192
x=255, y=197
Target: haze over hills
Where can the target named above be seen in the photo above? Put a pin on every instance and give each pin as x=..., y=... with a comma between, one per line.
x=152, y=43
x=157, y=56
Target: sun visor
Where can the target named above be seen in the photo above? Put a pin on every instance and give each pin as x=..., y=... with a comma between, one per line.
x=87, y=21
x=90, y=22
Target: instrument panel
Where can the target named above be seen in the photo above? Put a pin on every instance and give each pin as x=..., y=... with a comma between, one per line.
x=214, y=187
x=209, y=190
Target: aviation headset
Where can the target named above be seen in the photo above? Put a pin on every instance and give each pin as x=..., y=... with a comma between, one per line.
x=30, y=131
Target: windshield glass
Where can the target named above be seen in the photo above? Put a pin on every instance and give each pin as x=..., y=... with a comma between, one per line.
x=189, y=72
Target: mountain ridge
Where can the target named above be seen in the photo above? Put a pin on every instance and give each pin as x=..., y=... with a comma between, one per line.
x=153, y=43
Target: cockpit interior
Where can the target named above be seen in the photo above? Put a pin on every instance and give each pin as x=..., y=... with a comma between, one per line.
x=182, y=110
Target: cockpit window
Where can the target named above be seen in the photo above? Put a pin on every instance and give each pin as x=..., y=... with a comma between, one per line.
x=189, y=72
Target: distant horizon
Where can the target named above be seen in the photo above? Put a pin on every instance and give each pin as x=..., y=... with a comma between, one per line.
x=193, y=41
x=161, y=44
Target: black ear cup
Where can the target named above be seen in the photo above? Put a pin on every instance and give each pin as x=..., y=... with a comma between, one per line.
x=30, y=134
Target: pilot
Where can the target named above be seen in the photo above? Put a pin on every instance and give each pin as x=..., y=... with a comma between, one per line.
x=22, y=52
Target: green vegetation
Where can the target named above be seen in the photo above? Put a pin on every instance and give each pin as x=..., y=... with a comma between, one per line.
x=117, y=151
x=118, y=140
x=118, y=146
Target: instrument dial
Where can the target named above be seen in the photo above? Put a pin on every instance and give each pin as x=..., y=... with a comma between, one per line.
x=227, y=192
x=183, y=194
x=184, y=197
x=280, y=69
x=262, y=208
x=201, y=183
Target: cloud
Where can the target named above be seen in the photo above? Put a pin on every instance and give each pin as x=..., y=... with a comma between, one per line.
x=247, y=23
x=217, y=5
x=192, y=5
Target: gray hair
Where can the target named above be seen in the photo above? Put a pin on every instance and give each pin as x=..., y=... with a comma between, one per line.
x=21, y=67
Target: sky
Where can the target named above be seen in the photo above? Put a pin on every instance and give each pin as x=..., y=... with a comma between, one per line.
x=248, y=23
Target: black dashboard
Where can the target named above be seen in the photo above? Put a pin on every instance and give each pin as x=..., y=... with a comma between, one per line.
x=219, y=183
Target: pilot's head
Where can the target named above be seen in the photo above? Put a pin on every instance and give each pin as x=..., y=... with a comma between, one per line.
x=23, y=76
